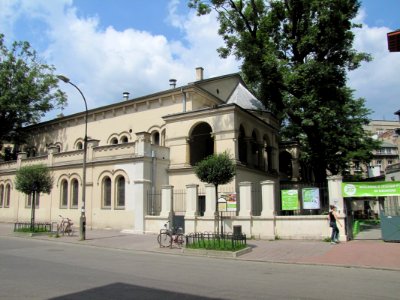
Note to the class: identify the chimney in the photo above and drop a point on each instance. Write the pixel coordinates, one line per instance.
(125, 95)
(172, 83)
(199, 73)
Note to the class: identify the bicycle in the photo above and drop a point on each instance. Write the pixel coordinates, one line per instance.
(168, 237)
(65, 226)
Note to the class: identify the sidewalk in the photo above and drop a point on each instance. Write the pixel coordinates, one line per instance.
(359, 253)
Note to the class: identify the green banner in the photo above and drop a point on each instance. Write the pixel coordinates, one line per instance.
(290, 200)
(371, 189)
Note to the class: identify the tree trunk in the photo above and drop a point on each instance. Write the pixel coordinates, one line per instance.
(33, 211)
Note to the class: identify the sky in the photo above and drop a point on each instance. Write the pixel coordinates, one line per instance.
(109, 47)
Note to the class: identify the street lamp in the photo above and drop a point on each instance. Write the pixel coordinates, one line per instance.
(82, 220)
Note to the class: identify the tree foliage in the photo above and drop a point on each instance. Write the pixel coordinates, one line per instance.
(34, 179)
(28, 89)
(295, 57)
(216, 169)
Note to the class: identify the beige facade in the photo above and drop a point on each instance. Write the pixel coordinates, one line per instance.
(138, 147)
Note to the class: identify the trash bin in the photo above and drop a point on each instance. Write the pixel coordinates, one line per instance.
(237, 230)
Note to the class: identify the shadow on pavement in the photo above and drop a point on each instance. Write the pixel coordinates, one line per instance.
(123, 291)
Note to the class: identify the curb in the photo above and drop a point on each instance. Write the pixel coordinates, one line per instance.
(215, 253)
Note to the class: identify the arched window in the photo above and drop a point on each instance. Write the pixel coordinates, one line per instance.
(64, 193)
(79, 146)
(120, 189)
(1, 195)
(114, 141)
(201, 143)
(75, 193)
(242, 146)
(155, 138)
(124, 139)
(106, 192)
(8, 195)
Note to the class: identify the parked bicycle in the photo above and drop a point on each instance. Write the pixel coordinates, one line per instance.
(168, 237)
(65, 226)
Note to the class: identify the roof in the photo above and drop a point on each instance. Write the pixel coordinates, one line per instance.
(243, 98)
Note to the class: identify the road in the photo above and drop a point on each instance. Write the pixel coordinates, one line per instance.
(37, 269)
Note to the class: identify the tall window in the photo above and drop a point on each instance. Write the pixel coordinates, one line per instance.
(64, 193)
(107, 192)
(120, 192)
(155, 138)
(1, 195)
(75, 193)
(8, 195)
(201, 143)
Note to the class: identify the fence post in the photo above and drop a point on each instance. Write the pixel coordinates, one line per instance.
(166, 201)
(268, 198)
(335, 193)
(191, 207)
(245, 198)
(210, 201)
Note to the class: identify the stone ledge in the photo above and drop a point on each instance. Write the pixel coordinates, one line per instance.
(216, 253)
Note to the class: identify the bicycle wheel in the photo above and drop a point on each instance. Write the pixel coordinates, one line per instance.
(180, 240)
(164, 240)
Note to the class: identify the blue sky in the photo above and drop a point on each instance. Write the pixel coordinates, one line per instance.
(110, 46)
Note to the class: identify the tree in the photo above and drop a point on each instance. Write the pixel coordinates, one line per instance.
(296, 55)
(33, 180)
(216, 169)
(28, 89)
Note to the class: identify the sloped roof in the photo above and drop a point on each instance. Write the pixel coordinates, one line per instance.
(241, 96)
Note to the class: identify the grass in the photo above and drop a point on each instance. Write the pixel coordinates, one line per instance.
(28, 230)
(216, 245)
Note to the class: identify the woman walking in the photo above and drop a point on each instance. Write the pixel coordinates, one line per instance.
(333, 219)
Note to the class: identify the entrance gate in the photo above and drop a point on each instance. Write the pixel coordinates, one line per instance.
(389, 210)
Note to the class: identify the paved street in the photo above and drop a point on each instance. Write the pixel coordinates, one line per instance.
(46, 269)
(365, 253)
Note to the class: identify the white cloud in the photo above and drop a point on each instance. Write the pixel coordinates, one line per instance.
(376, 81)
(106, 62)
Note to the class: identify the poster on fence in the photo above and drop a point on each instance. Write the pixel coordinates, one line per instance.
(311, 198)
(227, 202)
(231, 202)
(290, 199)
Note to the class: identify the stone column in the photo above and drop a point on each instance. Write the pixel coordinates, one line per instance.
(210, 201)
(143, 144)
(141, 189)
(268, 198)
(335, 193)
(191, 207)
(245, 198)
(166, 202)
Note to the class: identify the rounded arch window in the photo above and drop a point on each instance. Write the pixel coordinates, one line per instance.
(124, 139)
(75, 192)
(106, 192)
(120, 189)
(64, 193)
(79, 146)
(1, 195)
(201, 143)
(155, 138)
(114, 141)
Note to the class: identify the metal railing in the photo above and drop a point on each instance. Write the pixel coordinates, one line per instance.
(210, 240)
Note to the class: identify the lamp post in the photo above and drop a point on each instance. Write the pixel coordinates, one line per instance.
(82, 220)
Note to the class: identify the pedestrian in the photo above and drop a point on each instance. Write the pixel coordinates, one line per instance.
(333, 219)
